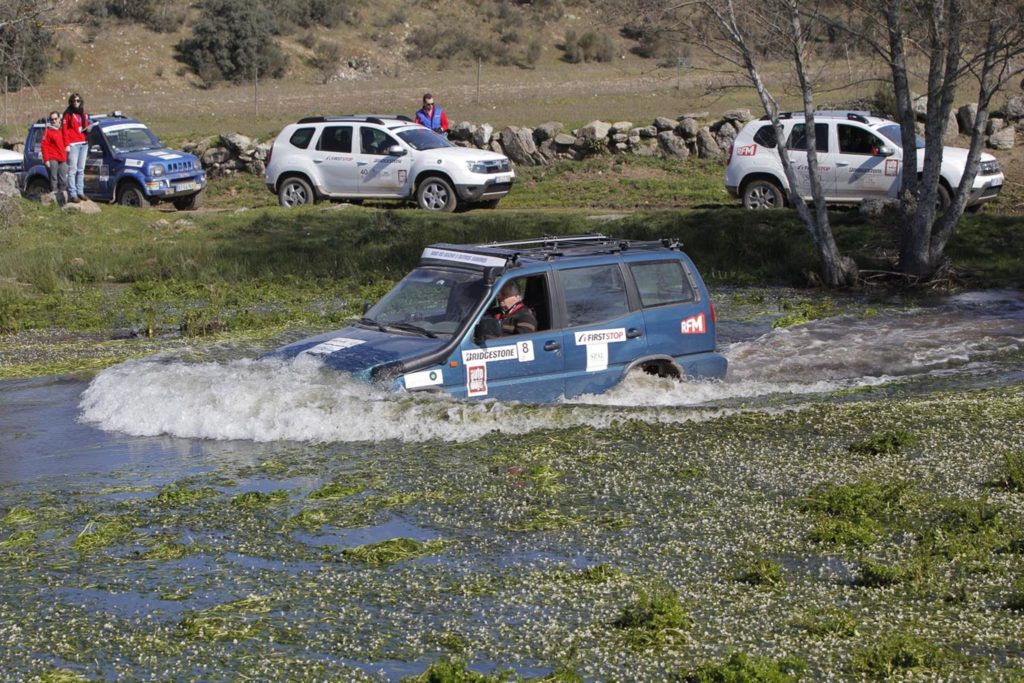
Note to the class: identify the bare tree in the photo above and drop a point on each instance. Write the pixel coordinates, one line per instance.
(956, 39)
(26, 28)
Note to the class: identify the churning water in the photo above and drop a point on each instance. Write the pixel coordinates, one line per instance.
(968, 340)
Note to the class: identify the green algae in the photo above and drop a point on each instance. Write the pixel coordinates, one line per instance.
(258, 500)
(883, 443)
(742, 668)
(177, 496)
(760, 572)
(655, 619)
(18, 515)
(393, 550)
(101, 534)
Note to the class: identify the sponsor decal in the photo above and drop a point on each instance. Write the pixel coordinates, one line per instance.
(693, 325)
(597, 357)
(462, 257)
(364, 171)
(892, 167)
(164, 155)
(476, 380)
(338, 157)
(423, 378)
(601, 336)
(402, 175)
(747, 151)
(331, 345)
(521, 351)
(134, 163)
(122, 126)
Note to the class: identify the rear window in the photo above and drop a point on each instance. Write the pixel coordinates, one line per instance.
(662, 283)
(301, 137)
(335, 139)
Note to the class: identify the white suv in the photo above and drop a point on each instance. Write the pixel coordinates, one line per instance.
(860, 156)
(382, 157)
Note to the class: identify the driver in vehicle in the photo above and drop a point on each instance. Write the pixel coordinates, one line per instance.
(514, 315)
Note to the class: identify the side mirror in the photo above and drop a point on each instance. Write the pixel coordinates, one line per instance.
(366, 307)
(886, 151)
(487, 328)
(397, 151)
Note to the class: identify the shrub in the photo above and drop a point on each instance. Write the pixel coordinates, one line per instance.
(655, 619)
(326, 60)
(233, 41)
(589, 47)
(1011, 472)
(883, 443)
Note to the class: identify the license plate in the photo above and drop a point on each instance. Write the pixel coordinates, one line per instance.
(503, 179)
(184, 187)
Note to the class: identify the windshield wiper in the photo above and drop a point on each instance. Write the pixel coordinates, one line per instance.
(409, 327)
(370, 322)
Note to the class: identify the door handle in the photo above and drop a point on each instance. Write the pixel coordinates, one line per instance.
(633, 333)
(552, 346)
(361, 163)
(318, 161)
(842, 163)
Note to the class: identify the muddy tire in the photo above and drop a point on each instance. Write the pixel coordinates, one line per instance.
(763, 194)
(36, 188)
(130, 194)
(942, 200)
(436, 194)
(294, 192)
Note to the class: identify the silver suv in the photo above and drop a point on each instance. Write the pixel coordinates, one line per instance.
(382, 157)
(860, 156)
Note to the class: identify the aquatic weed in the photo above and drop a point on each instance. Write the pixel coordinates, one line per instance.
(60, 676)
(98, 535)
(760, 572)
(392, 550)
(896, 653)
(335, 489)
(451, 669)
(657, 618)
(742, 668)
(1010, 474)
(827, 621)
(177, 496)
(257, 500)
(887, 442)
(872, 574)
(1015, 601)
(18, 515)
(228, 621)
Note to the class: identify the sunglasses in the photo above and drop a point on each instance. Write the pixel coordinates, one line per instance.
(54, 118)
(76, 100)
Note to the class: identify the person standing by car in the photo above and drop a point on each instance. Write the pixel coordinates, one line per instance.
(432, 117)
(76, 125)
(55, 154)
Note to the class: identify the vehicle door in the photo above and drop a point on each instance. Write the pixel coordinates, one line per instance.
(98, 166)
(862, 169)
(520, 367)
(603, 332)
(796, 146)
(677, 322)
(334, 161)
(381, 174)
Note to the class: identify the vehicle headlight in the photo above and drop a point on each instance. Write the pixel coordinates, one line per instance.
(990, 167)
(476, 166)
(156, 170)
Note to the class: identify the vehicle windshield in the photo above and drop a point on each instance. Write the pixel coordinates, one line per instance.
(130, 138)
(892, 132)
(428, 301)
(421, 138)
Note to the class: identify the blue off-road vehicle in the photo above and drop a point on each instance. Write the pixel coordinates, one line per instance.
(127, 164)
(604, 307)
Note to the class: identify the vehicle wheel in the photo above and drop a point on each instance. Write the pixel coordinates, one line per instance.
(36, 188)
(189, 203)
(974, 208)
(295, 191)
(762, 194)
(942, 200)
(436, 194)
(130, 194)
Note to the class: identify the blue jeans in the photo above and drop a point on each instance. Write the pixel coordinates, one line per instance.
(76, 169)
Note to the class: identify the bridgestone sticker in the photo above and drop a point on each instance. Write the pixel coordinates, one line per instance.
(476, 380)
(423, 378)
(521, 351)
(597, 342)
(331, 345)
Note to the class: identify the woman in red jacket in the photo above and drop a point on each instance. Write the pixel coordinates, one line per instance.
(55, 154)
(75, 124)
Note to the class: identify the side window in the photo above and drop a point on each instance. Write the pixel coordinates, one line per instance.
(798, 137)
(661, 283)
(335, 139)
(594, 294)
(375, 141)
(854, 140)
(301, 137)
(765, 136)
(37, 142)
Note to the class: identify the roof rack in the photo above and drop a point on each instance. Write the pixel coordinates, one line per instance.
(852, 115)
(569, 240)
(361, 118)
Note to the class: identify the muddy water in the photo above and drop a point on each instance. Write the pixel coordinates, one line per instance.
(81, 455)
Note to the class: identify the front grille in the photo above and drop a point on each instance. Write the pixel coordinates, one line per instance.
(497, 166)
(178, 166)
(10, 167)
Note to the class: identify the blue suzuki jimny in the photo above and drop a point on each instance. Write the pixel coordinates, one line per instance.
(603, 308)
(126, 164)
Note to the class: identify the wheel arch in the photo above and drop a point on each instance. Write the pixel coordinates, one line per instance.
(302, 175)
(432, 173)
(764, 175)
(662, 366)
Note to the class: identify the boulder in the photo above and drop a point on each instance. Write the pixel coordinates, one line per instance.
(725, 134)
(9, 185)
(687, 128)
(215, 155)
(647, 132)
(1004, 139)
(965, 116)
(738, 115)
(595, 130)
(707, 146)
(648, 147)
(1015, 108)
(235, 142)
(87, 207)
(621, 127)
(952, 136)
(261, 151)
(672, 145)
(547, 131)
(257, 167)
(876, 208)
(565, 140)
(482, 135)
(920, 105)
(519, 146)
(461, 131)
(662, 124)
(995, 125)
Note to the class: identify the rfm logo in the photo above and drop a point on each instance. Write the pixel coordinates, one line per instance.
(693, 325)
